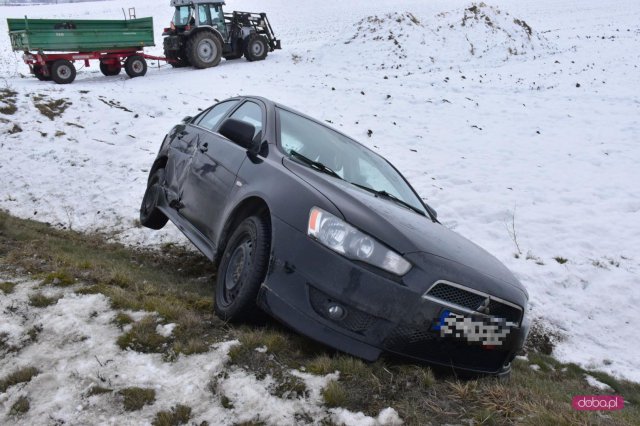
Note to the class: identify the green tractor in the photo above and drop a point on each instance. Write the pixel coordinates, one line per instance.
(201, 34)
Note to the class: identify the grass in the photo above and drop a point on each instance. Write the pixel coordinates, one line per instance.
(143, 337)
(19, 407)
(175, 286)
(8, 101)
(135, 398)
(98, 390)
(50, 108)
(39, 300)
(7, 287)
(22, 375)
(178, 415)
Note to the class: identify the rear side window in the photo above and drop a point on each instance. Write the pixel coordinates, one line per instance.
(250, 113)
(211, 118)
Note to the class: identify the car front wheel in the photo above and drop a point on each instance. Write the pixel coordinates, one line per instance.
(242, 269)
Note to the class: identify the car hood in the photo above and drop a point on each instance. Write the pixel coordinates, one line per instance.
(400, 228)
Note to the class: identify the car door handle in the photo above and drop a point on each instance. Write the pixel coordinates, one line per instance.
(204, 147)
(181, 134)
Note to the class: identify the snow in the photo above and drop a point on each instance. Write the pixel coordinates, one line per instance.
(592, 381)
(528, 131)
(76, 349)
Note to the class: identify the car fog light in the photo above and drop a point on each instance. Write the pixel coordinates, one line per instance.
(336, 312)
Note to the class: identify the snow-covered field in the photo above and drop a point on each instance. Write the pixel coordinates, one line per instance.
(519, 121)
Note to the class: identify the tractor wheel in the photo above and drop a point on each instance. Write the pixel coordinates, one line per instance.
(242, 270)
(110, 69)
(255, 49)
(135, 66)
(204, 50)
(63, 71)
(38, 71)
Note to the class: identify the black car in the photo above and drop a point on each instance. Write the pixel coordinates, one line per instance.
(329, 238)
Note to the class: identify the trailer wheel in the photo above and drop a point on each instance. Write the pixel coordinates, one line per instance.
(63, 71)
(38, 71)
(110, 69)
(135, 66)
(255, 49)
(204, 50)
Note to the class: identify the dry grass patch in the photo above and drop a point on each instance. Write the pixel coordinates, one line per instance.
(7, 287)
(178, 415)
(22, 375)
(21, 406)
(143, 337)
(59, 279)
(8, 101)
(335, 395)
(39, 300)
(135, 398)
(50, 108)
(98, 390)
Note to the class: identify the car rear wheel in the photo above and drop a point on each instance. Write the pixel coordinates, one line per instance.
(150, 215)
(242, 270)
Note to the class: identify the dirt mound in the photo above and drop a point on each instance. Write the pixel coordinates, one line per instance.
(478, 33)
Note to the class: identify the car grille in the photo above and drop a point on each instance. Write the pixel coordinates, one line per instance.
(472, 300)
(421, 342)
(355, 320)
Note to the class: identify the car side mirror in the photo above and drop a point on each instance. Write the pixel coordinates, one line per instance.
(187, 119)
(241, 133)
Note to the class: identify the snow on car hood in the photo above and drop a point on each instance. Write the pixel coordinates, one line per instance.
(400, 228)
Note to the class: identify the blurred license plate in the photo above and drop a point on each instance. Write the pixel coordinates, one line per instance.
(485, 331)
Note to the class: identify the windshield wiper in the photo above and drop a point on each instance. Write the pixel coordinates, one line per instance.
(388, 196)
(315, 164)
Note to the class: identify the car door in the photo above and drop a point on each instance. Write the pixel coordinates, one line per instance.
(213, 170)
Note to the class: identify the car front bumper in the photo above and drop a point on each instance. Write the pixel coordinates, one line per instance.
(381, 313)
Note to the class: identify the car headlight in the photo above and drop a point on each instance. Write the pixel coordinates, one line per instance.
(343, 238)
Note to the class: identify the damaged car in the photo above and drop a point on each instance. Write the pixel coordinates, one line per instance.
(329, 238)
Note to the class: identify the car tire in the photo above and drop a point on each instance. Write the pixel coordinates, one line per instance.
(110, 70)
(242, 270)
(63, 71)
(204, 50)
(150, 215)
(135, 66)
(256, 48)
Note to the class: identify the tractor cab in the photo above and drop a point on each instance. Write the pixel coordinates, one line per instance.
(192, 14)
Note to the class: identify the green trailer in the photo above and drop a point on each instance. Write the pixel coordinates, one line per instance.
(51, 46)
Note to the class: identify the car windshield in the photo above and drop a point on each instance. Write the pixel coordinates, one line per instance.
(181, 18)
(348, 159)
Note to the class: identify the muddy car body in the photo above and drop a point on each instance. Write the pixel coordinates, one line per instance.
(358, 269)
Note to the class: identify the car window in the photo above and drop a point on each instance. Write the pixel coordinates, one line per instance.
(347, 158)
(211, 118)
(250, 113)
